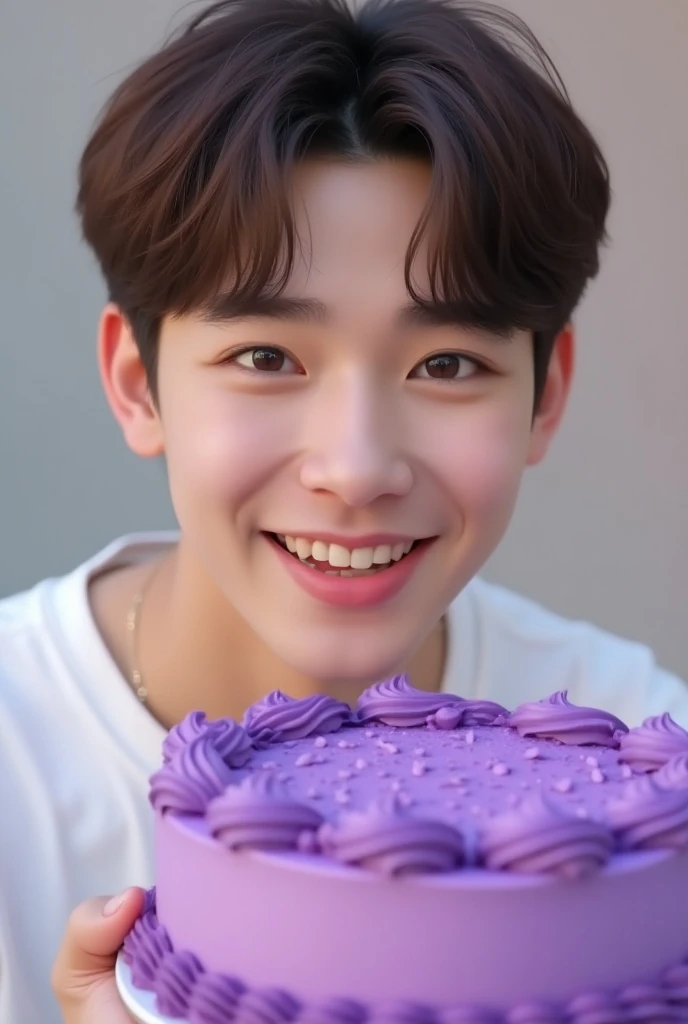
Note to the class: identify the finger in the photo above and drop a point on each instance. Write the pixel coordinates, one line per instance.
(95, 932)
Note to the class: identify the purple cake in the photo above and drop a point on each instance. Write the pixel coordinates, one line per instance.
(422, 859)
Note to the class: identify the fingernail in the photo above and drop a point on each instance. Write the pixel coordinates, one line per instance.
(114, 904)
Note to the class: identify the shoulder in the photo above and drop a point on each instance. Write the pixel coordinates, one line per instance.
(520, 650)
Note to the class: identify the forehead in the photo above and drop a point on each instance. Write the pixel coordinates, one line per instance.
(354, 223)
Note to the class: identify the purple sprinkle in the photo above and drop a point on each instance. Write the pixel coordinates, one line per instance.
(419, 752)
(470, 737)
(563, 786)
(626, 771)
(268, 766)
(581, 812)
(395, 786)
(592, 762)
(313, 794)
(597, 775)
(342, 796)
(345, 745)
(418, 768)
(369, 734)
(531, 753)
(405, 799)
(344, 774)
(320, 742)
(388, 747)
(303, 760)
(284, 777)
(360, 764)
(453, 780)
(501, 769)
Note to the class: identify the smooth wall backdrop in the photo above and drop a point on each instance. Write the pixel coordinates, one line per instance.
(601, 530)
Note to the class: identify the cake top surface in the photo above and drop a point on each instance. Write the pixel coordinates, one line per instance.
(419, 782)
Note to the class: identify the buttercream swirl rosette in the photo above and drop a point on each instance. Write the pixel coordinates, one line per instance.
(230, 740)
(540, 837)
(674, 774)
(653, 744)
(395, 702)
(648, 816)
(258, 813)
(277, 717)
(387, 838)
(190, 780)
(556, 718)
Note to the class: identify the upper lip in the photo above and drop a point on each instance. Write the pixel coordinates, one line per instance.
(367, 540)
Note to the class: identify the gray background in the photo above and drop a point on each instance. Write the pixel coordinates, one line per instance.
(601, 529)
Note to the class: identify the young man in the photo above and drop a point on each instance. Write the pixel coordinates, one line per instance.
(342, 253)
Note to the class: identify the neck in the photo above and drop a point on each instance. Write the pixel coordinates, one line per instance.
(195, 650)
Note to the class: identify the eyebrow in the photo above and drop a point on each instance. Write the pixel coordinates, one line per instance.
(227, 308)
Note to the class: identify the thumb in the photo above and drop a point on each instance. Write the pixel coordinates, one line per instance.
(95, 932)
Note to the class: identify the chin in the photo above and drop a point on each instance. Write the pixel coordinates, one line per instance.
(361, 662)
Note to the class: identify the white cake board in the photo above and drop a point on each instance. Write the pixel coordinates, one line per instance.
(140, 1004)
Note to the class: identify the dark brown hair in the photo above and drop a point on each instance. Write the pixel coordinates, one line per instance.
(183, 183)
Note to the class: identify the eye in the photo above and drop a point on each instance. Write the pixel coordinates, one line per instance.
(447, 366)
(263, 359)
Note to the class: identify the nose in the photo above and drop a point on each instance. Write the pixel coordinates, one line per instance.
(354, 449)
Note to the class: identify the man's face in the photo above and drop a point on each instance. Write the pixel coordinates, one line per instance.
(358, 426)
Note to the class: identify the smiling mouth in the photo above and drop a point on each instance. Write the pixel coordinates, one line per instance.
(328, 558)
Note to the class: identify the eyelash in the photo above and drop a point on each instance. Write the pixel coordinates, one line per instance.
(232, 357)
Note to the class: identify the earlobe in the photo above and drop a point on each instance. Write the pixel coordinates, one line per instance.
(554, 396)
(126, 384)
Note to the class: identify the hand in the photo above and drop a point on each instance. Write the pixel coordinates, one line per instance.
(83, 976)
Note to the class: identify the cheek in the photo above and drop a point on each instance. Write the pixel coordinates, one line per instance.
(485, 462)
(222, 449)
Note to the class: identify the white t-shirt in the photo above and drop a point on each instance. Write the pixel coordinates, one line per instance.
(77, 748)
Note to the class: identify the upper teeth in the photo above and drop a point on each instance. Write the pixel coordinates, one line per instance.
(345, 558)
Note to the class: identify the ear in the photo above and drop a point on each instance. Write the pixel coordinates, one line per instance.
(554, 396)
(126, 384)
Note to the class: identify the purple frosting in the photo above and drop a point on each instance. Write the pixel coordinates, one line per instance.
(334, 1011)
(541, 837)
(187, 783)
(648, 817)
(596, 1008)
(466, 1014)
(466, 714)
(390, 840)
(259, 814)
(674, 774)
(231, 741)
(175, 981)
(557, 719)
(144, 948)
(396, 702)
(277, 717)
(651, 745)
(215, 999)
(259, 1005)
(185, 990)
(536, 1013)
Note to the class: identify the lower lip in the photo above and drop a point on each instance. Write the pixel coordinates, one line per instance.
(352, 591)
